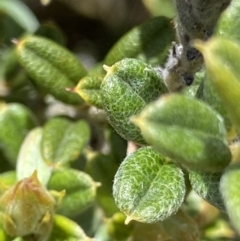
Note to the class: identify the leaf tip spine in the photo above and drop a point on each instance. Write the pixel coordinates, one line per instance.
(128, 220)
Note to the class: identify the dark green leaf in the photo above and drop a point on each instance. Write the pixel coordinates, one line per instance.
(148, 42)
(102, 169)
(206, 185)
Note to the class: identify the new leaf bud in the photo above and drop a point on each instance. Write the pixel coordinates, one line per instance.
(28, 209)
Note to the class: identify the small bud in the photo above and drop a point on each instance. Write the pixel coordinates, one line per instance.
(28, 209)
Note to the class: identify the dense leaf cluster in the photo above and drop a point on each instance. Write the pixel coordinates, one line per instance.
(132, 148)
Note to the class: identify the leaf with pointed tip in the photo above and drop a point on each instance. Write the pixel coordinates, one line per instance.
(89, 88)
(31, 159)
(186, 130)
(221, 60)
(15, 122)
(147, 188)
(80, 190)
(65, 229)
(149, 42)
(63, 140)
(127, 87)
(51, 67)
(230, 190)
(206, 185)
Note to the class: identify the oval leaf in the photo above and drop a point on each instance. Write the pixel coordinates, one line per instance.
(221, 60)
(64, 140)
(230, 190)
(127, 87)
(15, 122)
(149, 42)
(51, 66)
(89, 88)
(206, 185)
(80, 190)
(147, 188)
(186, 130)
(31, 159)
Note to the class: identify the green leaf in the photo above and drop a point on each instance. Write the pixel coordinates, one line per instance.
(51, 66)
(3, 235)
(221, 60)
(20, 13)
(31, 159)
(8, 178)
(89, 88)
(186, 130)
(160, 7)
(149, 42)
(228, 25)
(15, 122)
(63, 140)
(127, 87)
(80, 190)
(211, 97)
(65, 229)
(51, 31)
(118, 146)
(117, 228)
(206, 185)
(230, 190)
(147, 188)
(102, 169)
(179, 227)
